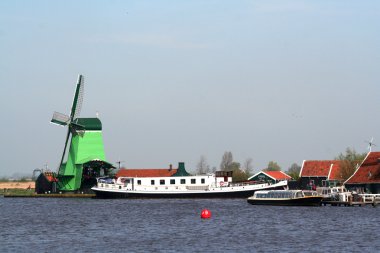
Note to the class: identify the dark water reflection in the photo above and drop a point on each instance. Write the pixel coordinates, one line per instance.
(91, 225)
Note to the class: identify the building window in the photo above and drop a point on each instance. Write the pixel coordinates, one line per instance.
(172, 181)
(152, 182)
(139, 182)
(203, 180)
(183, 181)
(193, 181)
(162, 181)
(324, 183)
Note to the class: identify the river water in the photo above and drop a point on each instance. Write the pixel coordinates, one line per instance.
(174, 225)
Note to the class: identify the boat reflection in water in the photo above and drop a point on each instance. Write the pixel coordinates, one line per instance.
(285, 198)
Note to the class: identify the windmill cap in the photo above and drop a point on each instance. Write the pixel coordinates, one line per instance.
(89, 123)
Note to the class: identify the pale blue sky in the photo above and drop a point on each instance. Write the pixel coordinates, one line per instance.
(174, 80)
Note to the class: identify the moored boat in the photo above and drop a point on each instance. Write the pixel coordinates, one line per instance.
(215, 185)
(285, 198)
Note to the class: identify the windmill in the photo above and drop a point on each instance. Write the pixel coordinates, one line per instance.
(86, 158)
(370, 144)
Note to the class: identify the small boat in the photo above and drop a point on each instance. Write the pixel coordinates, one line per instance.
(285, 198)
(215, 185)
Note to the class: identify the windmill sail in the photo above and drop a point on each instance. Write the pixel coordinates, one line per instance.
(65, 120)
(60, 119)
(64, 149)
(78, 98)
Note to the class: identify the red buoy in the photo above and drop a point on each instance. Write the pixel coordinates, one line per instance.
(206, 214)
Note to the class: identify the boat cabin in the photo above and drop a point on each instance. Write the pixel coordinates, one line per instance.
(278, 194)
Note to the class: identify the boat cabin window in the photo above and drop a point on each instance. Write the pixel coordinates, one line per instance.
(162, 181)
(193, 181)
(152, 182)
(261, 195)
(203, 180)
(139, 182)
(183, 181)
(299, 195)
(172, 181)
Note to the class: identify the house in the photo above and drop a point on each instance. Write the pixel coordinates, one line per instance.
(46, 182)
(366, 178)
(315, 173)
(270, 176)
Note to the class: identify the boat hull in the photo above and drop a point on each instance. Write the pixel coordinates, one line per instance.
(306, 201)
(225, 193)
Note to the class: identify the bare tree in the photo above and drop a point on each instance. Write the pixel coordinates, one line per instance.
(227, 161)
(349, 162)
(294, 171)
(202, 166)
(248, 167)
(272, 165)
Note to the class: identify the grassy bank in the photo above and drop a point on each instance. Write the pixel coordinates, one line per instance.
(17, 192)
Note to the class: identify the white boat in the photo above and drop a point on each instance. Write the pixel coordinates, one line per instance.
(337, 193)
(218, 185)
(285, 198)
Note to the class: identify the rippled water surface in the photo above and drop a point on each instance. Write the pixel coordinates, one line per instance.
(120, 225)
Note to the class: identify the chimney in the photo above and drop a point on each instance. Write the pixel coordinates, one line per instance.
(170, 167)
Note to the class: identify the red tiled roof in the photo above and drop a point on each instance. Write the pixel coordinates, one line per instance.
(145, 172)
(321, 169)
(50, 177)
(278, 175)
(368, 171)
(335, 172)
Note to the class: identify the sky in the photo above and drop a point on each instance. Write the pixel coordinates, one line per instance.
(282, 81)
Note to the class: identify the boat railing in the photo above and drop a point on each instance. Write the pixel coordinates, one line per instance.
(197, 187)
(366, 197)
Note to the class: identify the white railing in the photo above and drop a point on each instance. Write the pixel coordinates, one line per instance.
(370, 197)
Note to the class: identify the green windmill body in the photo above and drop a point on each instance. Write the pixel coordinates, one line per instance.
(86, 158)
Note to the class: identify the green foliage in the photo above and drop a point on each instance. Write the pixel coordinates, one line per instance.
(273, 166)
(349, 162)
(4, 179)
(238, 174)
(294, 171)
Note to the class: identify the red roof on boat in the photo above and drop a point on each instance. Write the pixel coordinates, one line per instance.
(146, 172)
(368, 171)
(321, 168)
(278, 175)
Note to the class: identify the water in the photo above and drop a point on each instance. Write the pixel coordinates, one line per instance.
(120, 225)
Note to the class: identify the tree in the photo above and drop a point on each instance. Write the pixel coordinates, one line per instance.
(349, 162)
(202, 166)
(248, 167)
(227, 160)
(273, 166)
(294, 171)
(237, 173)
